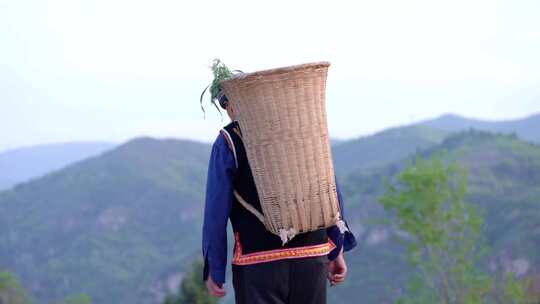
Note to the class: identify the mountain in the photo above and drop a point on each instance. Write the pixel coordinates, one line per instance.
(393, 144)
(117, 226)
(526, 128)
(336, 141)
(504, 183)
(121, 226)
(23, 164)
(383, 147)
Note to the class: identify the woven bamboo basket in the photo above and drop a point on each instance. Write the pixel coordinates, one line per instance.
(282, 116)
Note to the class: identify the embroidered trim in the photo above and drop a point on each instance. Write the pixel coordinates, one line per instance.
(279, 254)
(231, 145)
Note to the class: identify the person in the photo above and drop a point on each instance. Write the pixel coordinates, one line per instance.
(264, 270)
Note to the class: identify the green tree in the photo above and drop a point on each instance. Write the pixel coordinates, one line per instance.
(78, 299)
(192, 289)
(444, 238)
(11, 291)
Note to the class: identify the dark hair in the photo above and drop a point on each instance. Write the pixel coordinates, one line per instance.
(223, 100)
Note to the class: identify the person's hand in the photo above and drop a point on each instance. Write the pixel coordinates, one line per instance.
(213, 288)
(337, 270)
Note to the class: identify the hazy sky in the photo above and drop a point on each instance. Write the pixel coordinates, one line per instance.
(112, 70)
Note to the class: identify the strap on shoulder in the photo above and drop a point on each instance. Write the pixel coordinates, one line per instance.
(230, 143)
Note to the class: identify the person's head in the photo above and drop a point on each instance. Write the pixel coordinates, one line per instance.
(224, 103)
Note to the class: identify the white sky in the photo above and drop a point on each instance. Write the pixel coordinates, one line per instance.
(112, 70)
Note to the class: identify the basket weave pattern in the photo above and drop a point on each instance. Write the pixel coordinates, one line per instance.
(282, 116)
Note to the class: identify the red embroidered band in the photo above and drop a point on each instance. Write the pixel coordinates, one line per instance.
(279, 254)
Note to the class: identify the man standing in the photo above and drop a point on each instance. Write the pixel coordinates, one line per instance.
(264, 270)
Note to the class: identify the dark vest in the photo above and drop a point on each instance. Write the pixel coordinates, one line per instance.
(253, 235)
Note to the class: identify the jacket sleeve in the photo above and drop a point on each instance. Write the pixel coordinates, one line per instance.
(218, 202)
(345, 240)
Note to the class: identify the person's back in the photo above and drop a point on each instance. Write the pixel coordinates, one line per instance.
(264, 269)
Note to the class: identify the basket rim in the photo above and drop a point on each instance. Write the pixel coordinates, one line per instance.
(277, 71)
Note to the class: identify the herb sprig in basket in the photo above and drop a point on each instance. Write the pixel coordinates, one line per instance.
(220, 72)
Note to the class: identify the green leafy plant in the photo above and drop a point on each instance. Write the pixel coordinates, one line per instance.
(445, 238)
(192, 289)
(78, 299)
(220, 72)
(11, 291)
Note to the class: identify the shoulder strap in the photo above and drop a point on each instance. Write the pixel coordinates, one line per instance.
(230, 143)
(239, 198)
(251, 209)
